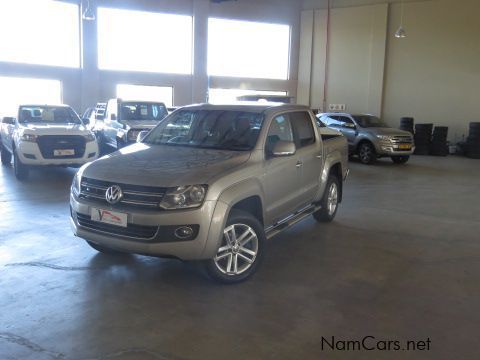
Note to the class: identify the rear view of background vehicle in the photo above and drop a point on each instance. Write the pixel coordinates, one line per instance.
(123, 120)
(45, 135)
(370, 137)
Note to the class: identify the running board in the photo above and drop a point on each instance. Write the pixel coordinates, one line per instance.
(290, 220)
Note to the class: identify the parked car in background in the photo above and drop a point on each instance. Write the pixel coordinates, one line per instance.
(45, 135)
(211, 183)
(124, 119)
(370, 137)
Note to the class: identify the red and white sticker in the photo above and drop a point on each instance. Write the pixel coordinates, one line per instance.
(109, 217)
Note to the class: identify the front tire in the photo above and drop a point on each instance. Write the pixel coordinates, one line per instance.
(6, 157)
(240, 251)
(367, 153)
(330, 201)
(400, 159)
(20, 169)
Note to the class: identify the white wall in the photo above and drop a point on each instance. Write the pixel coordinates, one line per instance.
(84, 87)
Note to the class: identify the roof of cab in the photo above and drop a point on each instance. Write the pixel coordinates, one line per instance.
(247, 106)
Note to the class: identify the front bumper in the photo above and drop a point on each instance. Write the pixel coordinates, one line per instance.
(30, 154)
(393, 150)
(209, 218)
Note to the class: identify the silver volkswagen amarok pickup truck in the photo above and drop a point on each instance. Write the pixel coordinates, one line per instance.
(211, 183)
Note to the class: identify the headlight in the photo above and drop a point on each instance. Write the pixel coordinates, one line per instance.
(384, 137)
(132, 135)
(89, 137)
(29, 137)
(77, 179)
(184, 197)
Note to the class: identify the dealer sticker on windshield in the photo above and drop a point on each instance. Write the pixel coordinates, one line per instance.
(109, 217)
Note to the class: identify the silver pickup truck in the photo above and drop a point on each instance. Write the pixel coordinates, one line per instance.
(212, 183)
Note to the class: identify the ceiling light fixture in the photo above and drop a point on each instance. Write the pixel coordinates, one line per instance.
(400, 33)
(89, 13)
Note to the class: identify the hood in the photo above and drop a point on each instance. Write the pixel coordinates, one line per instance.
(388, 131)
(140, 124)
(163, 165)
(54, 129)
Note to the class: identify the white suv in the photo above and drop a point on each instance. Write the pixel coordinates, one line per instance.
(45, 135)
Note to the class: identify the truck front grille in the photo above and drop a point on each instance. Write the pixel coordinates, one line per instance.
(49, 143)
(137, 196)
(140, 232)
(402, 139)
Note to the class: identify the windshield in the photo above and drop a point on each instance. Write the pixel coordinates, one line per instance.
(48, 114)
(368, 121)
(212, 129)
(143, 111)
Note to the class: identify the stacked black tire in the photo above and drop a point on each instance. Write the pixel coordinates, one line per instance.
(439, 145)
(406, 124)
(423, 138)
(472, 148)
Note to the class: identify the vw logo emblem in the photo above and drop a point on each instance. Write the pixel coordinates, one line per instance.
(114, 194)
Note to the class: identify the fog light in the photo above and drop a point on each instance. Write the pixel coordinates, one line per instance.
(184, 232)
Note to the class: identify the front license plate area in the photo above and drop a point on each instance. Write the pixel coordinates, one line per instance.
(109, 217)
(64, 152)
(405, 147)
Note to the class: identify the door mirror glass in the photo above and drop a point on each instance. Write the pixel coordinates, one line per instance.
(113, 117)
(86, 121)
(8, 120)
(141, 135)
(284, 148)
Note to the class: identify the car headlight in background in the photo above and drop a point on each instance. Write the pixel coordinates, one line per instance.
(384, 137)
(132, 135)
(89, 137)
(29, 137)
(184, 197)
(76, 184)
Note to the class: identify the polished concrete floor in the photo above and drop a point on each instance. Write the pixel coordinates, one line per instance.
(401, 262)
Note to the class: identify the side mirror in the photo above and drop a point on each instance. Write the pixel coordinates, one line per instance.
(284, 148)
(8, 120)
(86, 121)
(113, 117)
(141, 135)
(349, 126)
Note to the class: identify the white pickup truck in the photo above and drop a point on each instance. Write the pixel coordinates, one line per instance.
(44, 135)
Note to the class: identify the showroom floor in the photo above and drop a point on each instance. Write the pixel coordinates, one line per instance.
(401, 262)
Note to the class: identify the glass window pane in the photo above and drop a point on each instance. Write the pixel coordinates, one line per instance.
(146, 93)
(40, 32)
(303, 127)
(144, 41)
(248, 49)
(228, 96)
(18, 91)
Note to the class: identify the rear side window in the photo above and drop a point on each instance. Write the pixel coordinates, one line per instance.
(302, 123)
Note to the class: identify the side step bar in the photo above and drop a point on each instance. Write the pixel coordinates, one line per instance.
(290, 220)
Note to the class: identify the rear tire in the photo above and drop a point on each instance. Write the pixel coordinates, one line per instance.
(21, 170)
(400, 159)
(367, 154)
(103, 250)
(240, 251)
(329, 202)
(6, 157)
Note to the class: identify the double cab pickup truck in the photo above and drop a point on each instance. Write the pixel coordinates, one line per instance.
(212, 183)
(124, 119)
(370, 137)
(44, 135)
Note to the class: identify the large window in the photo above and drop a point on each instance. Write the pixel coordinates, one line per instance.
(146, 93)
(228, 96)
(17, 91)
(248, 49)
(40, 32)
(144, 41)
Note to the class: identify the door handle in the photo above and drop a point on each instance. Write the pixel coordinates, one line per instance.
(299, 164)
(319, 156)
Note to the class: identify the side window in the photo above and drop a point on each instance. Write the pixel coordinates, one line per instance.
(280, 129)
(344, 120)
(304, 133)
